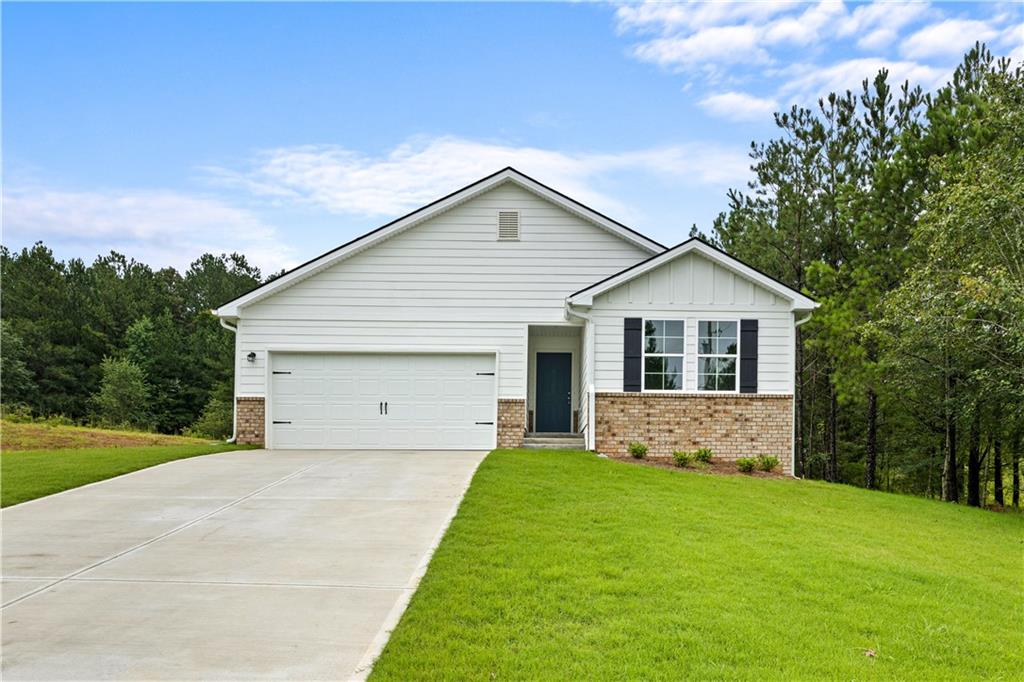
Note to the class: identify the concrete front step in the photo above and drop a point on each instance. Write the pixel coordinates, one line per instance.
(555, 440)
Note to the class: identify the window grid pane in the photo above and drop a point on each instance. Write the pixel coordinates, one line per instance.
(664, 348)
(716, 355)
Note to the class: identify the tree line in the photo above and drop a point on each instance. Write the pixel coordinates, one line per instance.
(902, 213)
(117, 343)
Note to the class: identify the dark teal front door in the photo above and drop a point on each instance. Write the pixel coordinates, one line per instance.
(554, 392)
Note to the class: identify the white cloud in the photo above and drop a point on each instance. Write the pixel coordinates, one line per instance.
(877, 39)
(703, 36)
(1012, 41)
(806, 29)
(422, 169)
(738, 43)
(716, 45)
(739, 106)
(157, 227)
(695, 34)
(878, 23)
(807, 82)
(949, 38)
(665, 16)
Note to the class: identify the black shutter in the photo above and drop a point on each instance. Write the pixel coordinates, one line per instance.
(632, 345)
(748, 356)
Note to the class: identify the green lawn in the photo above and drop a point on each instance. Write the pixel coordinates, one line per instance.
(562, 565)
(28, 474)
(43, 436)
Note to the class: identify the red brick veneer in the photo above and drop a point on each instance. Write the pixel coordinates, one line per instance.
(250, 421)
(511, 422)
(731, 425)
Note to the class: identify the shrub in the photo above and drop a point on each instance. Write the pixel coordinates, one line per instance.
(123, 396)
(215, 422)
(57, 420)
(703, 455)
(746, 464)
(16, 413)
(638, 450)
(767, 462)
(682, 458)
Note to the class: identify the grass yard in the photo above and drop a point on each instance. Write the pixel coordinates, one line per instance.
(562, 565)
(41, 436)
(62, 459)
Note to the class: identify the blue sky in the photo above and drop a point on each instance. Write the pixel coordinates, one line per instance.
(282, 130)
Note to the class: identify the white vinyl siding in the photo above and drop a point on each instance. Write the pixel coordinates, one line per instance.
(693, 288)
(445, 284)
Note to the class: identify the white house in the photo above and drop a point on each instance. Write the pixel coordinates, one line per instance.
(508, 309)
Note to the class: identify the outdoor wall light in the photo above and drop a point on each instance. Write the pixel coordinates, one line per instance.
(251, 357)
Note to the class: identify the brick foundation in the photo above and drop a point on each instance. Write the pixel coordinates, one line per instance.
(731, 425)
(250, 421)
(511, 422)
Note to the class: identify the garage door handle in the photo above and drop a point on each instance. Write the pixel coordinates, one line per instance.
(487, 423)
(281, 422)
(380, 406)
(385, 407)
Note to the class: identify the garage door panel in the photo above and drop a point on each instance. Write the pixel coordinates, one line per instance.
(334, 401)
(338, 411)
(311, 437)
(424, 388)
(289, 412)
(480, 389)
(340, 386)
(293, 437)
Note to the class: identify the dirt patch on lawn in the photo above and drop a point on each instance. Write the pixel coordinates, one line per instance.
(19, 436)
(717, 467)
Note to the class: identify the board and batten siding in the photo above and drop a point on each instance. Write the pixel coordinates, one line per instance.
(444, 284)
(694, 288)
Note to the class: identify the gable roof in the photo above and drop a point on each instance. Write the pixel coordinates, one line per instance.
(508, 174)
(798, 301)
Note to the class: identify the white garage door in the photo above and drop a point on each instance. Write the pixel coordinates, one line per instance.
(382, 401)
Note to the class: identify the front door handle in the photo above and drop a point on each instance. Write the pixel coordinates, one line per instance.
(385, 407)
(380, 406)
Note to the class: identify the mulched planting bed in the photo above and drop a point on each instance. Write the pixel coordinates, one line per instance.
(719, 467)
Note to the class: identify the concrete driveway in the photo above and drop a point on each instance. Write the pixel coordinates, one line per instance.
(243, 565)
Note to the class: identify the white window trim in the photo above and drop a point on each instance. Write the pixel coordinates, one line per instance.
(643, 356)
(699, 355)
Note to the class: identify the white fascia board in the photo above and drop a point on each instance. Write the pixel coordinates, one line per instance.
(585, 297)
(231, 309)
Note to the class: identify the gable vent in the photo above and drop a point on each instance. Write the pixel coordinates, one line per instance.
(508, 225)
